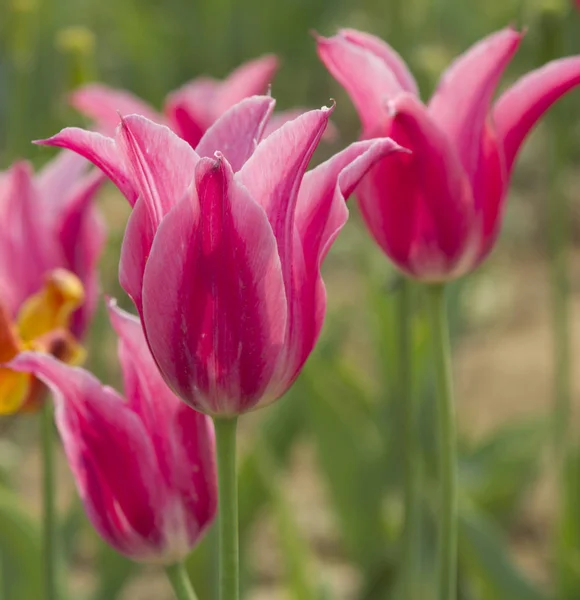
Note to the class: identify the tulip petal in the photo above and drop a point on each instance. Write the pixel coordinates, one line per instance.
(194, 464)
(9, 340)
(161, 163)
(109, 452)
(274, 172)
(26, 248)
(249, 79)
(321, 208)
(369, 81)
(213, 297)
(14, 391)
(489, 187)
(387, 54)
(135, 251)
(461, 102)
(191, 109)
(53, 181)
(280, 118)
(103, 105)
(101, 151)
(320, 215)
(182, 437)
(519, 108)
(237, 132)
(443, 205)
(148, 395)
(81, 233)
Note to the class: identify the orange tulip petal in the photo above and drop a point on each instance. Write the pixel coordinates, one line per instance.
(14, 389)
(51, 308)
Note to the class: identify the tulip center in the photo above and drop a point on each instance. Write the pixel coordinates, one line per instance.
(42, 324)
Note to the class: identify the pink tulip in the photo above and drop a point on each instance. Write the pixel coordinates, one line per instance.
(48, 221)
(190, 110)
(144, 465)
(437, 211)
(223, 250)
(50, 240)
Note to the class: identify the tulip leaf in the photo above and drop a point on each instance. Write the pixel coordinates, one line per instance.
(350, 452)
(282, 425)
(569, 530)
(485, 558)
(497, 472)
(297, 556)
(20, 551)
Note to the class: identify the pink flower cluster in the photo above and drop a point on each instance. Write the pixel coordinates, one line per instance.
(223, 251)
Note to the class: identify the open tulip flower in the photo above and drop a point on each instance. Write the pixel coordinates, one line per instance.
(144, 465)
(436, 212)
(50, 240)
(188, 111)
(223, 250)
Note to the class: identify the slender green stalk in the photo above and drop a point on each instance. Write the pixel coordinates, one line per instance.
(411, 570)
(447, 565)
(180, 582)
(559, 242)
(225, 432)
(50, 545)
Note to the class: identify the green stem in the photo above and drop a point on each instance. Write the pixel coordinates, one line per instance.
(559, 244)
(411, 571)
(447, 566)
(225, 432)
(180, 582)
(50, 547)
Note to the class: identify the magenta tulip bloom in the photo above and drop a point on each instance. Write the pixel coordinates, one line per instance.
(188, 111)
(48, 221)
(223, 250)
(437, 211)
(50, 240)
(144, 465)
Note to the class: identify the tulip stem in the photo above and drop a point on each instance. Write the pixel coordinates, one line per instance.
(411, 569)
(225, 432)
(447, 556)
(180, 582)
(49, 514)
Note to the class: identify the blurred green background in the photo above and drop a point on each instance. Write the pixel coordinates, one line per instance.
(321, 509)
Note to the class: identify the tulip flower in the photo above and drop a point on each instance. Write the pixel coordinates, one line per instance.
(190, 110)
(223, 249)
(50, 240)
(222, 258)
(437, 211)
(144, 464)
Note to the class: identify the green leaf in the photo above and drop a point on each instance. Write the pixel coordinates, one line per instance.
(20, 551)
(484, 556)
(568, 548)
(499, 470)
(282, 425)
(296, 554)
(350, 450)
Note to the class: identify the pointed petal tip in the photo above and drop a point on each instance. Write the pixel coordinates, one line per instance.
(329, 109)
(110, 302)
(35, 362)
(318, 37)
(56, 140)
(119, 317)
